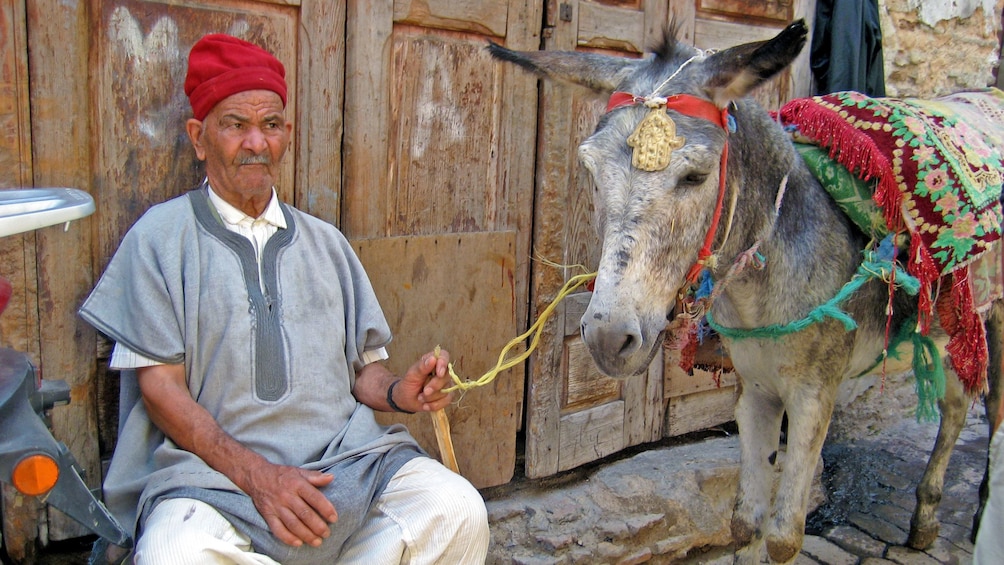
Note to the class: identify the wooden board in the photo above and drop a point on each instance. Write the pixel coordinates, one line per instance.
(585, 385)
(486, 17)
(700, 411)
(776, 10)
(61, 154)
(679, 383)
(611, 27)
(591, 434)
(455, 290)
(21, 516)
(712, 370)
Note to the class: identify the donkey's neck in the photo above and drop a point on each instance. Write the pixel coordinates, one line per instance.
(808, 237)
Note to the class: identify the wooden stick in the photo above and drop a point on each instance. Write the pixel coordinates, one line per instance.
(444, 440)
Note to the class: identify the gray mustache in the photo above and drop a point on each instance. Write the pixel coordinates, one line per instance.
(255, 160)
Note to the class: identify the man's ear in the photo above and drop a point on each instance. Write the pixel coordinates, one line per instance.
(194, 128)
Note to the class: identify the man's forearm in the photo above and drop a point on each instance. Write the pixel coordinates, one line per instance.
(371, 386)
(173, 410)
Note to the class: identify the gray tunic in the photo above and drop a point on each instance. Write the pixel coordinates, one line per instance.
(275, 368)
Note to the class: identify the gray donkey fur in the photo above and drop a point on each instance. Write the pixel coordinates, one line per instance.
(652, 225)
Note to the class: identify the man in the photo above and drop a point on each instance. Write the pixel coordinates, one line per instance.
(248, 434)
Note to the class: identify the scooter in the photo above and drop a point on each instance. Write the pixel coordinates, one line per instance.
(31, 459)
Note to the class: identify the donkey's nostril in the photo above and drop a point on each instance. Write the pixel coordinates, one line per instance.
(629, 346)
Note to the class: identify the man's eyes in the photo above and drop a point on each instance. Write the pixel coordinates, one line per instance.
(273, 125)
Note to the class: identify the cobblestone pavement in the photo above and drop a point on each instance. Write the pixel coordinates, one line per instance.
(870, 486)
(870, 495)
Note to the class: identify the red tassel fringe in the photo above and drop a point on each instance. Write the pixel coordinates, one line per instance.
(967, 342)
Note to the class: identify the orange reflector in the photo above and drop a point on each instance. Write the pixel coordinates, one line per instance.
(35, 474)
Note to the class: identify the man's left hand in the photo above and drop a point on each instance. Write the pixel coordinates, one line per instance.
(421, 388)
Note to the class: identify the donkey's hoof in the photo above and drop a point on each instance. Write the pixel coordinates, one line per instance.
(783, 550)
(922, 537)
(743, 533)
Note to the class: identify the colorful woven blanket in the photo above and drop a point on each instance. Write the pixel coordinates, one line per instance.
(936, 168)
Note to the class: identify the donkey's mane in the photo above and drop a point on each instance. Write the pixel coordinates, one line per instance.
(670, 49)
(667, 56)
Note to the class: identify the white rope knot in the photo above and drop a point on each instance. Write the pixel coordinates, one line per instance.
(655, 101)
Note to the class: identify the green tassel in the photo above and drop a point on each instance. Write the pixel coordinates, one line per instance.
(930, 375)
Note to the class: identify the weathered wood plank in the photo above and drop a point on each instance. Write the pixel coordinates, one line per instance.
(575, 306)
(60, 56)
(644, 407)
(20, 515)
(554, 167)
(15, 143)
(656, 22)
(320, 92)
(611, 27)
(713, 34)
(367, 174)
(487, 17)
(801, 73)
(679, 383)
(564, 230)
(700, 411)
(455, 290)
(443, 140)
(515, 100)
(591, 434)
(682, 14)
(585, 385)
(776, 10)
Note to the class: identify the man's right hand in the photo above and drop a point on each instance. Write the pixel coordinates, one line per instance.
(287, 497)
(290, 501)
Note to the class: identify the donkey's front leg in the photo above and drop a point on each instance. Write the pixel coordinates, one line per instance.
(809, 406)
(758, 415)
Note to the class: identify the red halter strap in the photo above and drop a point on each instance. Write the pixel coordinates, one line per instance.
(698, 108)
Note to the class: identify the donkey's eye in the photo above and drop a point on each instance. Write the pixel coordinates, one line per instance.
(694, 179)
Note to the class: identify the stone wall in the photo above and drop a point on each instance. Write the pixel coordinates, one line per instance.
(934, 47)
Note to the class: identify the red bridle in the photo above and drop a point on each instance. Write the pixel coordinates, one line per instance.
(698, 108)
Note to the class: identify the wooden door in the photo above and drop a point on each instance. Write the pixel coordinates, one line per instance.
(574, 414)
(107, 113)
(438, 191)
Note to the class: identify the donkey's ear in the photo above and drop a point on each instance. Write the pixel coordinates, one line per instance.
(736, 71)
(599, 73)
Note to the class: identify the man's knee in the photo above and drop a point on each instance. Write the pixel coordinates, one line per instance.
(471, 517)
(467, 519)
(184, 531)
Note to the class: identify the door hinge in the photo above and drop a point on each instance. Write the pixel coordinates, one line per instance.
(565, 12)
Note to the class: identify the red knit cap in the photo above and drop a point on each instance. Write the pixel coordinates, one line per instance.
(220, 65)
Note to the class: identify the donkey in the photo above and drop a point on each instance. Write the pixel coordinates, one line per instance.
(656, 222)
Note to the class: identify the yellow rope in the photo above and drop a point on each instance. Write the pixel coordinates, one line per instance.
(503, 364)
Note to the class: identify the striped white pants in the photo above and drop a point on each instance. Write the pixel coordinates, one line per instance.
(427, 514)
(989, 549)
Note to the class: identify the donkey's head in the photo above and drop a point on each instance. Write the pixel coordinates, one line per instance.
(657, 160)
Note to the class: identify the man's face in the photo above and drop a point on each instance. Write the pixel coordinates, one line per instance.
(242, 140)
